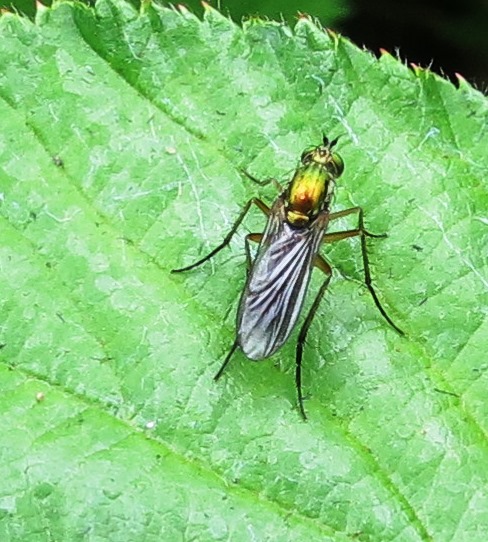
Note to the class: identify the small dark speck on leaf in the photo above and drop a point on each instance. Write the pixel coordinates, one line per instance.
(105, 359)
(423, 301)
(452, 394)
(417, 248)
(57, 161)
(127, 240)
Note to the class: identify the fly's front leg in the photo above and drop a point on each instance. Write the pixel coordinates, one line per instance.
(263, 182)
(326, 269)
(262, 206)
(362, 233)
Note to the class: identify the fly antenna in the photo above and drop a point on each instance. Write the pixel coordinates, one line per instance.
(328, 143)
(333, 143)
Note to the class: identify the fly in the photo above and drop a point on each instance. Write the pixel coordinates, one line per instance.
(278, 279)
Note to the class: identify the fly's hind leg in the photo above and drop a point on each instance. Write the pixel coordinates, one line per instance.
(250, 237)
(256, 237)
(262, 206)
(361, 232)
(327, 270)
(226, 360)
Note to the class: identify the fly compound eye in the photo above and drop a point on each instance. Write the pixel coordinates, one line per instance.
(337, 163)
(307, 155)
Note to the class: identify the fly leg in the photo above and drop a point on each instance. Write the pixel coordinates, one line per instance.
(256, 237)
(226, 360)
(362, 233)
(263, 182)
(350, 211)
(250, 237)
(325, 268)
(262, 206)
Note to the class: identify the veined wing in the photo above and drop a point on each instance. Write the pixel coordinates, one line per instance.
(276, 286)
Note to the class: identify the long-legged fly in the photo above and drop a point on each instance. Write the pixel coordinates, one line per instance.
(279, 276)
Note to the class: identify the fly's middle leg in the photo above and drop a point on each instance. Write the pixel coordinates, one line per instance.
(256, 238)
(347, 212)
(361, 232)
(327, 270)
(253, 201)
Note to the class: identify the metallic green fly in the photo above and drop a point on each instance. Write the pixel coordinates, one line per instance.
(278, 278)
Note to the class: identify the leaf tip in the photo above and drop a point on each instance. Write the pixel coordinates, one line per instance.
(461, 79)
(417, 70)
(145, 5)
(463, 83)
(303, 16)
(182, 9)
(40, 7)
(334, 35)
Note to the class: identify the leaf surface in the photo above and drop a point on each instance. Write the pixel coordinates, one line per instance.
(122, 138)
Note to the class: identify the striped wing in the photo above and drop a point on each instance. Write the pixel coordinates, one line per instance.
(276, 286)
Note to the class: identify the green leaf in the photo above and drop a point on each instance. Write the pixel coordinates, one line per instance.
(122, 137)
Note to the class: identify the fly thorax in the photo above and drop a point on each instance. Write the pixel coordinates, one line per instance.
(310, 190)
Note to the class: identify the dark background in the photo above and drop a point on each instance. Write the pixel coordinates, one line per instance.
(446, 35)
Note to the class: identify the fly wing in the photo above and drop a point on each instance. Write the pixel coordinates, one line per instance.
(276, 286)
